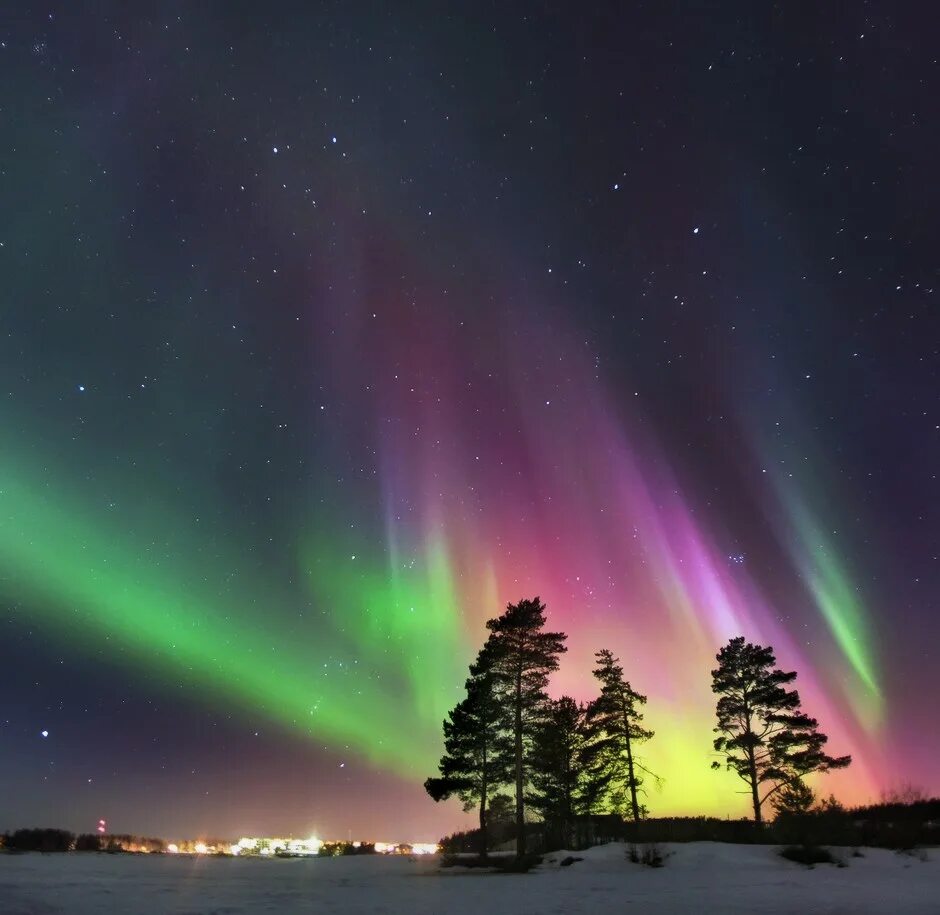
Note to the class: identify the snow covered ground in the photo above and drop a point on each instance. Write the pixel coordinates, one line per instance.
(700, 877)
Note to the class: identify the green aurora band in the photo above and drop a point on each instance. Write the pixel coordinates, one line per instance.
(840, 606)
(89, 582)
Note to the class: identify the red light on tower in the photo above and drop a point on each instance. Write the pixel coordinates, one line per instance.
(102, 827)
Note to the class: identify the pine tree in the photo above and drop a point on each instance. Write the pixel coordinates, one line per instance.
(501, 810)
(764, 735)
(793, 799)
(559, 770)
(524, 656)
(599, 779)
(477, 750)
(615, 718)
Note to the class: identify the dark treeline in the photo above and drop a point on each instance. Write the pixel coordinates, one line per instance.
(338, 849)
(60, 840)
(121, 842)
(900, 825)
(39, 839)
(897, 826)
(567, 772)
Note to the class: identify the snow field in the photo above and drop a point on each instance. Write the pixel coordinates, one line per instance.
(699, 877)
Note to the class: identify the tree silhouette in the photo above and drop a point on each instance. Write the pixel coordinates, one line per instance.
(88, 842)
(44, 840)
(793, 799)
(523, 656)
(615, 718)
(477, 749)
(501, 810)
(559, 773)
(764, 735)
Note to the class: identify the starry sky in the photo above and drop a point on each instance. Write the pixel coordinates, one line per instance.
(329, 328)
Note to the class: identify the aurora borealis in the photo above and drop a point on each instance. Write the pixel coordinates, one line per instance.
(328, 331)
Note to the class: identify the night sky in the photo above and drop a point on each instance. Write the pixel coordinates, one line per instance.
(329, 328)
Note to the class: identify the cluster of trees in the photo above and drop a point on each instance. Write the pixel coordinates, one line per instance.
(46, 840)
(563, 760)
(124, 842)
(901, 821)
(57, 840)
(338, 849)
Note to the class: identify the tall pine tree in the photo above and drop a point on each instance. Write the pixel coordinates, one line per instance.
(764, 735)
(524, 655)
(615, 718)
(477, 750)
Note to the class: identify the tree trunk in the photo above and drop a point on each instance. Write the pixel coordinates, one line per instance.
(520, 803)
(484, 838)
(751, 761)
(632, 777)
(569, 818)
(635, 804)
(755, 797)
